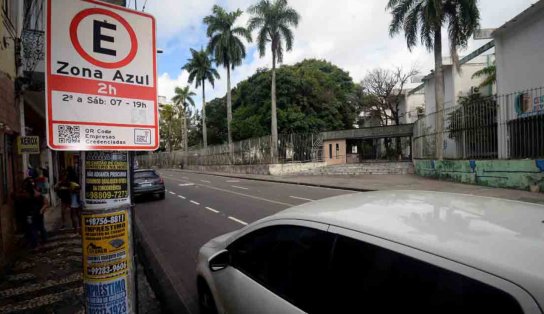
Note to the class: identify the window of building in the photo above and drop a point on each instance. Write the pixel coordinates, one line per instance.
(337, 150)
(368, 277)
(354, 149)
(330, 151)
(288, 260)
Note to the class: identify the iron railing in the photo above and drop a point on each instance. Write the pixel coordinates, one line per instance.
(505, 127)
(291, 148)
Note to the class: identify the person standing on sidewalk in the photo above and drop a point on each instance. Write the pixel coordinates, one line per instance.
(36, 205)
(63, 190)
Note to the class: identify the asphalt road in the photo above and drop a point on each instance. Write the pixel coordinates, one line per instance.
(200, 207)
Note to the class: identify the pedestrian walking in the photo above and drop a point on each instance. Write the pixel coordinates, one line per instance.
(35, 205)
(64, 192)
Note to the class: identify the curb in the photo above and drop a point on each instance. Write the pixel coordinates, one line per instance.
(228, 175)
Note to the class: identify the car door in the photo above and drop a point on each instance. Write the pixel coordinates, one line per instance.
(275, 268)
(369, 274)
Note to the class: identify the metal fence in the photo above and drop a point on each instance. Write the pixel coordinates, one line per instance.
(291, 148)
(505, 127)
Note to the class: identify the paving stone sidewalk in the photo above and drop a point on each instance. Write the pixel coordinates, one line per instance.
(48, 279)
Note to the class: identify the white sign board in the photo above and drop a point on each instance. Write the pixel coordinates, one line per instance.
(101, 77)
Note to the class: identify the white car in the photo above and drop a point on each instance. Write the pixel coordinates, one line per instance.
(381, 252)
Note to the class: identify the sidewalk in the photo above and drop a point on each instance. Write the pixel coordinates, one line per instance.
(49, 279)
(365, 183)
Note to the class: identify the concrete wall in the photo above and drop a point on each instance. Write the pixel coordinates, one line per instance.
(408, 105)
(338, 156)
(513, 174)
(273, 169)
(520, 61)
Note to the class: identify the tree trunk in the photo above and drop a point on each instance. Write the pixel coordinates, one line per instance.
(204, 132)
(170, 135)
(439, 94)
(185, 137)
(274, 142)
(229, 114)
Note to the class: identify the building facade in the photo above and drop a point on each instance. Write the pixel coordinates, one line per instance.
(10, 126)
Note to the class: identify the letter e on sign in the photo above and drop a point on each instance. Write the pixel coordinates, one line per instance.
(101, 77)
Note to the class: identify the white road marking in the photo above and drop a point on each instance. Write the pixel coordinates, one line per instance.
(233, 181)
(301, 198)
(183, 197)
(242, 194)
(211, 209)
(186, 184)
(172, 193)
(205, 181)
(239, 187)
(196, 203)
(238, 220)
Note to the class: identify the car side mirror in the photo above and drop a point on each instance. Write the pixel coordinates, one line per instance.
(219, 261)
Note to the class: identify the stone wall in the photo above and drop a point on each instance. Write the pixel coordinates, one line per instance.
(513, 174)
(265, 169)
(367, 168)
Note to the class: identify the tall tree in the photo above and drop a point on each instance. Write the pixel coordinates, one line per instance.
(182, 100)
(273, 22)
(426, 19)
(200, 70)
(227, 48)
(168, 117)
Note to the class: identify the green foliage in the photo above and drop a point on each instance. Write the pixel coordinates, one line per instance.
(427, 17)
(313, 95)
(489, 73)
(200, 68)
(273, 22)
(225, 43)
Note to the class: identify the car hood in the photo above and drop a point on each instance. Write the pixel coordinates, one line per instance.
(221, 241)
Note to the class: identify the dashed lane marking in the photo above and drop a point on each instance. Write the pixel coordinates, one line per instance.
(301, 198)
(186, 184)
(233, 181)
(182, 197)
(242, 194)
(205, 181)
(196, 203)
(238, 220)
(212, 210)
(172, 193)
(239, 187)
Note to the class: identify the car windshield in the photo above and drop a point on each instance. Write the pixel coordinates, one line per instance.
(145, 174)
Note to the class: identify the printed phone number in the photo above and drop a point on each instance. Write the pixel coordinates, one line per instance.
(105, 195)
(114, 309)
(106, 270)
(104, 220)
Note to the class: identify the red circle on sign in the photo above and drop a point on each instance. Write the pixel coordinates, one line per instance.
(77, 45)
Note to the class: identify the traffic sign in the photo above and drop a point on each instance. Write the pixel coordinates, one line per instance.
(101, 77)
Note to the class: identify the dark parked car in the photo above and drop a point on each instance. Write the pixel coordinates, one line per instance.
(148, 182)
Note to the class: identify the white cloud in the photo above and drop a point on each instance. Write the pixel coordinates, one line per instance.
(352, 34)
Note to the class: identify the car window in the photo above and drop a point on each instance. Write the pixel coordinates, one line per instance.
(288, 260)
(367, 278)
(145, 174)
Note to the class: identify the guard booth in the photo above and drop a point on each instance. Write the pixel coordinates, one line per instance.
(385, 143)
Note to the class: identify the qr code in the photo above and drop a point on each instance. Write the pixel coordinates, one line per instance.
(69, 134)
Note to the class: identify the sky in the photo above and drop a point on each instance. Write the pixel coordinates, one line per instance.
(352, 34)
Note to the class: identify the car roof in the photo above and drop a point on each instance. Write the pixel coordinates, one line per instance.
(144, 170)
(502, 237)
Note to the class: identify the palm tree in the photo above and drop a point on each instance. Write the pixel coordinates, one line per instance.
(182, 100)
(273, 20)
(200, 70)
(227, 48)
(489, 73)
(426, 18)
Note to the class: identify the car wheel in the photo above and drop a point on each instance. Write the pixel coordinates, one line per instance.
(205, 299)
